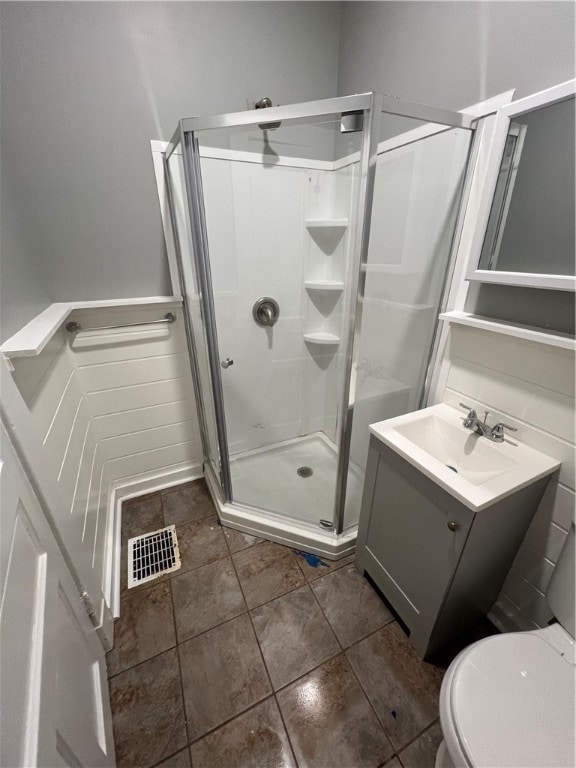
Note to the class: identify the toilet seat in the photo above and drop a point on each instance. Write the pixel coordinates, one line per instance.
(509, 700)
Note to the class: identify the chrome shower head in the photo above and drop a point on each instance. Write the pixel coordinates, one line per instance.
(264, 104)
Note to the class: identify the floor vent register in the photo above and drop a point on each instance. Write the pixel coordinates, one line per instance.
(152, 555)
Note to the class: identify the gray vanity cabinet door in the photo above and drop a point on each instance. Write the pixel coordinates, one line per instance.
(413, 541)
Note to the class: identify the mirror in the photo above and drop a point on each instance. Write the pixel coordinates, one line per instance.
(531, 224)
(525, 233)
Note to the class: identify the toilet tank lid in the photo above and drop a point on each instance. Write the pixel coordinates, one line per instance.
(512, 702)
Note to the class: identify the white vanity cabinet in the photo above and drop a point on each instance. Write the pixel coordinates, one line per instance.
(439, 564)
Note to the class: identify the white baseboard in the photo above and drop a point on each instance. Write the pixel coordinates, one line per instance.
(284, 532)
(129, 488)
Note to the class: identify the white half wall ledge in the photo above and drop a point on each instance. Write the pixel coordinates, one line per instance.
(527, 332)
(30, 340)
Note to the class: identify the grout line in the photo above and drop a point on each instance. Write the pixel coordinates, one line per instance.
(210, 629)
(184, 749)
(270, 695)
(139, 664)
(185, 640)
(278, 597)
(172, 488)
(252, 624)
(421, 733)
(286, 731)
(274, 694)
(176, 574)
(292, 589)
(396, 751)
(313, 669)
(325, 616)
(195, 522)
(369, 700)
(177, 646)
(327, 573)
(372, 707)
(338, 652)
(231, 719)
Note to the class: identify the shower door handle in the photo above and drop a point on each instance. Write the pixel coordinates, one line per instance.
(227, 363)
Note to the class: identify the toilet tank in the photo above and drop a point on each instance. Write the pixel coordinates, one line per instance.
(561, 590)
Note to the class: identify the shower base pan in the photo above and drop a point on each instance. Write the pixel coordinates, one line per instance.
(285, 490)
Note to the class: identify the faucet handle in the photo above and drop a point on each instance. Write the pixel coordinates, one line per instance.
(471, 421)
(497, 432)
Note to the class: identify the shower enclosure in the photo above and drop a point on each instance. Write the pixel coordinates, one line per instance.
(313, 245)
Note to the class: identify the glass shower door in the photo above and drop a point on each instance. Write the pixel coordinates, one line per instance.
(280, 209)
(420, 170)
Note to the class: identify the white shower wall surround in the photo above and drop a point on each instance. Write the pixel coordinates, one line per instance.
(416, 191)
(294, 390)
(100, 416)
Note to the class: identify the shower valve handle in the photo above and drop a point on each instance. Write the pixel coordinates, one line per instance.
(266, 311)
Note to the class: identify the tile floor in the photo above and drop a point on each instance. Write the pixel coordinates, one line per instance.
(249, 656)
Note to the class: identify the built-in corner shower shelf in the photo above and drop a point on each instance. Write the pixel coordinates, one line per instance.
(334, 224)
(322, 338)
(324, 285)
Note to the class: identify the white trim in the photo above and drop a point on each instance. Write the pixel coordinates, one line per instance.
(158, 148)
(543, 98)
(257, 523)
(551, 338)
(495, 149)
(30, 340)
(138, 485)
(156, 145)
(332, 547)
(458, 289)
(525, 279)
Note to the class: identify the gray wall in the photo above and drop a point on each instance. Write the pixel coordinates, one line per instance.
(86, 85)
(23, 285)
(451, 54)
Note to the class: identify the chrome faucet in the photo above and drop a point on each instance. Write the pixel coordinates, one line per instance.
(495, 433)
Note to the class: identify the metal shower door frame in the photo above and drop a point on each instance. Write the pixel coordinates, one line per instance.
(353, 311)
(372, 105)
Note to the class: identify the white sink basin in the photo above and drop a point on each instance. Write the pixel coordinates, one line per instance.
(471, 468)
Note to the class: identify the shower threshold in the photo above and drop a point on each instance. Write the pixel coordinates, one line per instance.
(272, 499)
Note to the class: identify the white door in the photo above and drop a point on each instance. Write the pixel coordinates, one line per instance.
(54, 705)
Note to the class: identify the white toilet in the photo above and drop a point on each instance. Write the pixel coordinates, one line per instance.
(509, 700)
